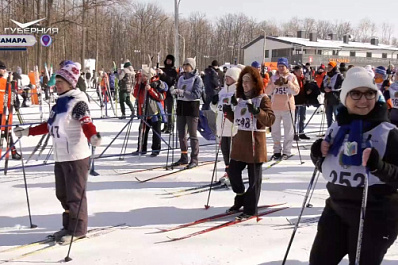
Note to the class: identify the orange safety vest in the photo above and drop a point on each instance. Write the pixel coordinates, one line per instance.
(3, 83)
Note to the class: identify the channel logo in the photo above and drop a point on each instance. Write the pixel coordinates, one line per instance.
(45, 40)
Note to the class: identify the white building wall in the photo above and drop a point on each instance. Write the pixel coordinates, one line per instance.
(360, 54)
(253, 53)
(344, 53)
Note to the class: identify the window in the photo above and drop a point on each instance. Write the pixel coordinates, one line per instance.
(266, 53)
(319, 52)
(384, 55)
(281, 53)
(309, 51)
(335, 52)
(369, 55)
(352, 54)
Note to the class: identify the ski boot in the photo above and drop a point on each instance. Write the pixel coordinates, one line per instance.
(15, 155)
(243, 217)
(276, 156)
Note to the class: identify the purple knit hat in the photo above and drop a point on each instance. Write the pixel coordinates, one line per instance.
(70, 73)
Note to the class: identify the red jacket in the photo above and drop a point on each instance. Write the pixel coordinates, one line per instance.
(139, 94)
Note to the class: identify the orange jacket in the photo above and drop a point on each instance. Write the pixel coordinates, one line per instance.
(319, 78)
(265, 81)
(3, 83)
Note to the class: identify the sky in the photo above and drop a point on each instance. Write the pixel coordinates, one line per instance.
(340, 10)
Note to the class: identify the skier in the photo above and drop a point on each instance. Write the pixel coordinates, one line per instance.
(360, 144)
(282, 87)
(71, 127)
(331, 86)
(112, 78)
(81, 84)
(263, 73)
(3, 83)
(225, 129)
(168, 74)
(380, 75)
(189, 90)
(150, 100)
(88, 78)
(126, 84)
(300, 100)
(391, 96)
(212, 83)
(251, 115)
(319, 75)
(104, 86)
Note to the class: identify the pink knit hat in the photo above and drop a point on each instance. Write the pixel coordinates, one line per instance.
(70, 73)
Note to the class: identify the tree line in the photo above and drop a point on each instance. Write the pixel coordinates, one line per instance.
(115, 30)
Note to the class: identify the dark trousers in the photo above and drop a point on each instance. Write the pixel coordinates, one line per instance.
(337, 237)
(169, 102)
(300, 118)
(226, 149)
(188, 124)
(124, 97)
(248, 199)
(156, 141)
(70, 181)
(208, 99)
(329, 111)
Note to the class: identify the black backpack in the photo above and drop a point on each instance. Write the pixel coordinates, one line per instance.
(126, 83)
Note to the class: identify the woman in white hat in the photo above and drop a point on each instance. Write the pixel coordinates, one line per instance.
(360, 144)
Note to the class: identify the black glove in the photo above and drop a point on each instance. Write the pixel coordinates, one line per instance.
(316, 154)
(374, 160)
(316, 149)
(234, 101)
(215, 99)
(226, 108)
(253, 109)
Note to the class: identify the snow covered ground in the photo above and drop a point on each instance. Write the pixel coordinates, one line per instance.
(119, 199)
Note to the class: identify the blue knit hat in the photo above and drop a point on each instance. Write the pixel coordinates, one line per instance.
(283, 61)
(256, 64)
(381, 70)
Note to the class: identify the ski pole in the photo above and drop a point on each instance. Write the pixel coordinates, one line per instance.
(44, 146)
(26, 187)
(294, 128)
(48, 155)
(207, 206)
(302, 210)
(68, 258)
(362, 218)
(125, 142)
(363, 211)
(9, 149)
(92, 170)
(117, 135)
(309, 205)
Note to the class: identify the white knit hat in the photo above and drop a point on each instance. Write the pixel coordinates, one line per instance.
(356, 77)
(191, 62)
(148, 72)
(233, 73)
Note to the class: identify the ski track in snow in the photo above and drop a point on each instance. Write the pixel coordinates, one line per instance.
(115, 199)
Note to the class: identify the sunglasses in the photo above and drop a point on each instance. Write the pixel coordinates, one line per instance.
(357, 95)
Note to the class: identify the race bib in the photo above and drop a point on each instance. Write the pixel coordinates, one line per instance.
(281, 90)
